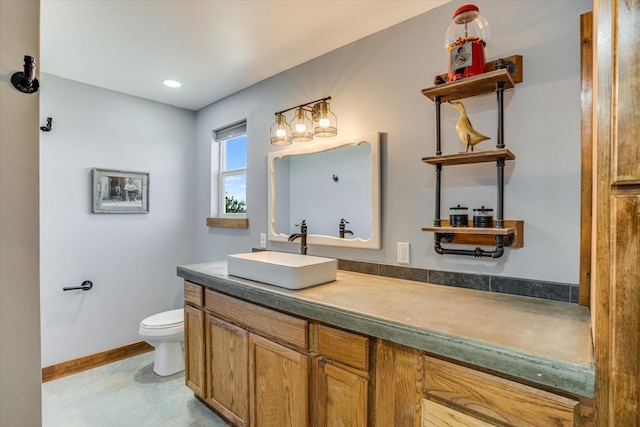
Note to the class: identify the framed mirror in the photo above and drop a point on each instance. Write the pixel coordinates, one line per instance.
(324, 183)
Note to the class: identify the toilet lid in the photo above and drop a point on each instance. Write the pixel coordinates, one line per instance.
(165, 319)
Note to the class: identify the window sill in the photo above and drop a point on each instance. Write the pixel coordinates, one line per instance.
(228, 222)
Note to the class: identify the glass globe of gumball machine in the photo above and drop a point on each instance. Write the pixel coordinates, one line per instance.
(465, 40)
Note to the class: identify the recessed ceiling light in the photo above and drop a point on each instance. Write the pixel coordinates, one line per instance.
(171, 83)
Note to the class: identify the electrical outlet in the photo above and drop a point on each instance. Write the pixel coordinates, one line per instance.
(263, 240)
(403, 253)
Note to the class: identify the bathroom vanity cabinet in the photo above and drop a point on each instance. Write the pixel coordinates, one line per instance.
(266, 363)
(243, 370)
(266, 368)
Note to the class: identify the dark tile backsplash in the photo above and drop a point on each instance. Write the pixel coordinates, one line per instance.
(555, 291)
(461, 280)
(532, 288)
(575, 293)
(564, 292)
(358, 266)
(399, 272)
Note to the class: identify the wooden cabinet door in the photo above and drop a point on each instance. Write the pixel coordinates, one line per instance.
(194, 352)
(227, 369)
(278, 382)
(340, 397)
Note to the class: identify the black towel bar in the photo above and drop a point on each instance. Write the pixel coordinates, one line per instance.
(85, 286)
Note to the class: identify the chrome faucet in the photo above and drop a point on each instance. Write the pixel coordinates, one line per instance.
(303, 236)
(343, 222)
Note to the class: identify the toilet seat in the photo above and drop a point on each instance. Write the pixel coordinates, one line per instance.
(166, 319)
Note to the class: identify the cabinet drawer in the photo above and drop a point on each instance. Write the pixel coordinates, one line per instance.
(269, 323)
(436, 415)
(496, 398)
(193, 293)
(342, 346)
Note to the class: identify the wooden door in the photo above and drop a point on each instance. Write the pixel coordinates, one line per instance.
(279, 380)
(340, 397)
(194, 350)
(616, 306)
(227, 369)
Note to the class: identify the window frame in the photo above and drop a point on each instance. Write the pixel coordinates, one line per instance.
(222, 175)
(220, 138)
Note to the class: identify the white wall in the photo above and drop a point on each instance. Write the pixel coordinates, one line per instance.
(20, 376)
(375, 84)
(131, 258)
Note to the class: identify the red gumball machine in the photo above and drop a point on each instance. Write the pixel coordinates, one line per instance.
(465, 40)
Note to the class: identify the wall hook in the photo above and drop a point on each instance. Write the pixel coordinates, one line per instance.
(47, 127)
(335, 178)
(26, 81)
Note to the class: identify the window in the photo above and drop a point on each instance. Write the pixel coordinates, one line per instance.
(232, 179)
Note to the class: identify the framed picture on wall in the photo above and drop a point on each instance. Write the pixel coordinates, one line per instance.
(116, 191)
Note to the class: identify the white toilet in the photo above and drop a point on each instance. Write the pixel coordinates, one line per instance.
(165, 332)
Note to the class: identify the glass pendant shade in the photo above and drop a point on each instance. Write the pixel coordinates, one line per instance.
(301, 127)
(327, 123)
(280, 131)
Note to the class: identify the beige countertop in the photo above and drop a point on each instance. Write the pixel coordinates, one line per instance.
(546, 342)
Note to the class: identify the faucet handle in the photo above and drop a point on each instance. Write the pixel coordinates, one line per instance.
(343, 221)
(303, 225)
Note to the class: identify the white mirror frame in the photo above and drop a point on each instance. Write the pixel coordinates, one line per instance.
(316, 239)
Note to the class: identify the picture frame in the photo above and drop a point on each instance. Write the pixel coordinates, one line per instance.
(118, 191)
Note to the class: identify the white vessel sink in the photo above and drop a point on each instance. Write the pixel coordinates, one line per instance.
(290, 271)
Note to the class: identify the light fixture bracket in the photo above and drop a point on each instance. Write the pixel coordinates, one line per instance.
(315, 105)
(316, 112)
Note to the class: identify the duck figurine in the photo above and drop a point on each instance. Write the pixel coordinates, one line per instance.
(468, 135)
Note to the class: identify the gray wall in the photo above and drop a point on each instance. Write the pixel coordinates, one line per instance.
(131, 258)
(375, 84)
(19, 293)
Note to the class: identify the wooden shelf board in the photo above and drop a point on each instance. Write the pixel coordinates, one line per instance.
(228, 222)
(471, 230)
(469, 158)
(517, 76)
(470, 86)
(482, 236)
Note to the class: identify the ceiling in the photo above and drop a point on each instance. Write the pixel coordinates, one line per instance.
(214, 47)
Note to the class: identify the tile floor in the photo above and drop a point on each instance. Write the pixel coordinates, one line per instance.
(126, 393)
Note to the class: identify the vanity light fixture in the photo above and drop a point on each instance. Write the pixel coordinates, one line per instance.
(302, 127)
